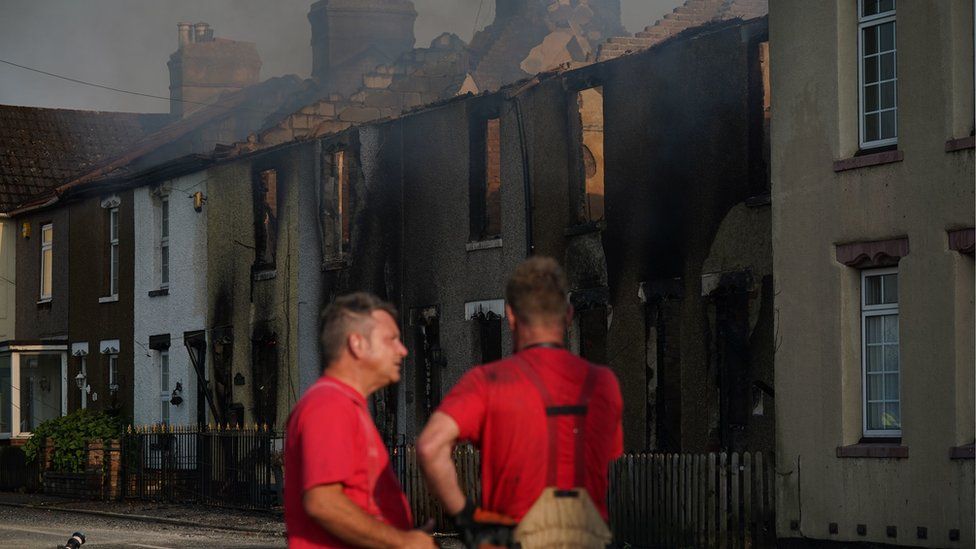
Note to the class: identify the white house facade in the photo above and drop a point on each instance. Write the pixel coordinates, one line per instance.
(170, 302)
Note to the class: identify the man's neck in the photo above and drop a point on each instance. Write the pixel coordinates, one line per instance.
(349, 377)
(538, 337)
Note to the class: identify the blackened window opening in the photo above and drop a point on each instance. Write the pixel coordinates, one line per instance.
(222, 343)
(264, 373)
(589, 105)
(593, 334)
(490, 335)
(265, 219)
(430, 361)
(336, 205)
(485, 179)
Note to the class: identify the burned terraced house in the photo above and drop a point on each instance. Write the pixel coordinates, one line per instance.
(425, 175)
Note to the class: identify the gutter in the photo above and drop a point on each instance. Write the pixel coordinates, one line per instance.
(168, 170)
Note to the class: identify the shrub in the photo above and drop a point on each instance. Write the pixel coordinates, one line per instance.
(70, 433)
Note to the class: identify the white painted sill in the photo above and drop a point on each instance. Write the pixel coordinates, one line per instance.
(108, 299)
(483, 244)
(44, 301)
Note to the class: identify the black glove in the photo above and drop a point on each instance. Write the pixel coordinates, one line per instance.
(475, 533)
(464, 519)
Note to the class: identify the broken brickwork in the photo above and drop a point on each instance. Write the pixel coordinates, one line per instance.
(691, 14)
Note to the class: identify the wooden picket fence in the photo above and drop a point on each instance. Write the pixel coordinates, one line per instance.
(693, 500)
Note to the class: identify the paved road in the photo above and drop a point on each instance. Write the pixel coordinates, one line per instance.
(29, 528)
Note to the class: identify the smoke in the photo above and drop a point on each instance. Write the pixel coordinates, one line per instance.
(126, 43)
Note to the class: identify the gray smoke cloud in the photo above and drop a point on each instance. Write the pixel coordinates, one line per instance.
(126, 43)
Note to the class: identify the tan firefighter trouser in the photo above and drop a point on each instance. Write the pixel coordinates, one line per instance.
(558, 520)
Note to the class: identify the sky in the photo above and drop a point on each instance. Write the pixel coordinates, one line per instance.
(126, 43)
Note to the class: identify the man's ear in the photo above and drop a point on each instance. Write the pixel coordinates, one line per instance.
(356, 344)
(510, 317)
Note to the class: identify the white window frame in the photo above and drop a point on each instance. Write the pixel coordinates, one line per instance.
(16, 353)
(862, 24)
(113, 372)
(164, 228)
(163, 364)
(866, 312)
(113, 237)
(83, 369)
(47, 264)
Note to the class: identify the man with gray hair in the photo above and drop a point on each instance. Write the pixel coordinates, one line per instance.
(340, 490)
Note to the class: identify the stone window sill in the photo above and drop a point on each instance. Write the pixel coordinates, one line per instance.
(864, 161)
(336, 263)
(483, 244)
(44, 303)
(265, 275)
(159, 292)
(585, 228)
(878, 450)
(960, 144)
(963, 452)
(108, 299)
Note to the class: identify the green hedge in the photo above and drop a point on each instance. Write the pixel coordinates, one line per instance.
(70, 433)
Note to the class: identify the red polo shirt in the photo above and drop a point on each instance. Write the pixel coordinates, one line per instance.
(332, 438)
(500, 410)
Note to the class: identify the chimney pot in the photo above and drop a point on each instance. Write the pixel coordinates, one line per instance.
(186, 36)
(200, 33)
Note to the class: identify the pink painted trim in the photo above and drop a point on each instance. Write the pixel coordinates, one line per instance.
(960, 144)
(880, 253)
(963, 241)
(869, 450)
(875, 159)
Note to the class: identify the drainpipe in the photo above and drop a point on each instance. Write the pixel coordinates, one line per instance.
(526, 181)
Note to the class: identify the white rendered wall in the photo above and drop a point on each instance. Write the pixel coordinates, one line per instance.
(183, 309)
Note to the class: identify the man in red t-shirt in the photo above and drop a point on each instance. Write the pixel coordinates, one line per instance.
(339, 488)
(542, 417)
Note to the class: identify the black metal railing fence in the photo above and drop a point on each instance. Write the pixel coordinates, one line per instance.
(229, 466)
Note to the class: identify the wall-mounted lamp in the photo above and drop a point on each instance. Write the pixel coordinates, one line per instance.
(238, 379)
(25, 229)
(199, 200)
(80, 380)
(177, 397)
(113, 388)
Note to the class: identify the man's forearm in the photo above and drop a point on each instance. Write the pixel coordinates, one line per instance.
(434, 452)
(339, 516)
(442, 479)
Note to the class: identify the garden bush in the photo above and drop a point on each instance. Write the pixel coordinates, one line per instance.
(70, 433)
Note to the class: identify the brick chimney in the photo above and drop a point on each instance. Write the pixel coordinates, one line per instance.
(350, 38)
(204, 67)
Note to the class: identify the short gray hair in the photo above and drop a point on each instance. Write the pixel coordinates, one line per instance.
(348, 313)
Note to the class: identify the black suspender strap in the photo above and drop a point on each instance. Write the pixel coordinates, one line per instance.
(553, 412)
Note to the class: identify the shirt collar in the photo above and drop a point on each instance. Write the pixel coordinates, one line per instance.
(344, 388)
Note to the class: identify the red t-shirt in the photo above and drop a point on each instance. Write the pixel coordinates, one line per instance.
(331, 438)
(500, 410)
